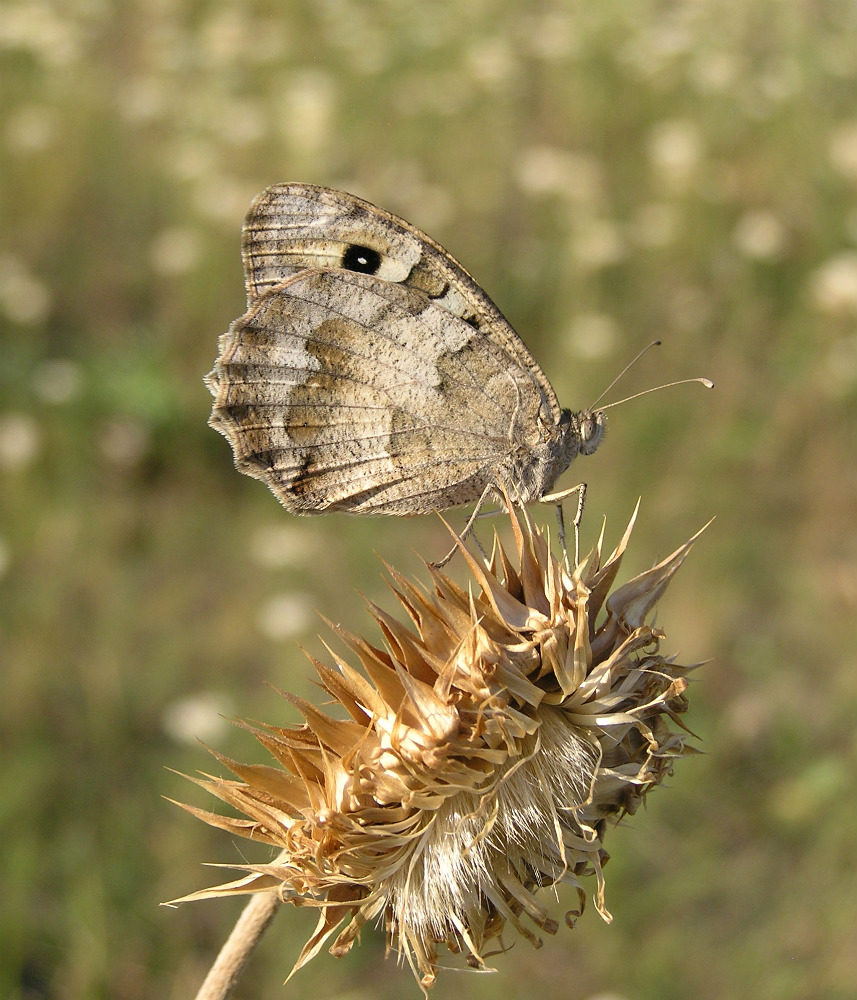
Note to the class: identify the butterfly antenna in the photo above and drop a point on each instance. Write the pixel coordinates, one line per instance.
(667, 385)
(625, 370)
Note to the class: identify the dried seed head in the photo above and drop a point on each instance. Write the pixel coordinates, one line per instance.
(485, 751)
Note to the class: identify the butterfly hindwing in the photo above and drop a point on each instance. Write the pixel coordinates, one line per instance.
(346, 392)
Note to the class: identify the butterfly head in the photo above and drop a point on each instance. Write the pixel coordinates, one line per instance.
(591, 427)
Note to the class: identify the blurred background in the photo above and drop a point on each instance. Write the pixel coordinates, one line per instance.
(610, 172)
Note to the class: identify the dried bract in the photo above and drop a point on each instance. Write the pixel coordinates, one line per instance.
(485, 750)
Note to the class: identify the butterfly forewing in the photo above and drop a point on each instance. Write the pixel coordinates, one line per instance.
(294, 227)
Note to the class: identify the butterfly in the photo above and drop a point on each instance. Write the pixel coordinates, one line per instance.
(370, 373)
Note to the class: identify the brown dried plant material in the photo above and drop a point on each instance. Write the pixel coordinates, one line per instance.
(483, 753)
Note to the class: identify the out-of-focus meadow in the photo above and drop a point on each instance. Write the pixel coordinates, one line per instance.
(611, 173)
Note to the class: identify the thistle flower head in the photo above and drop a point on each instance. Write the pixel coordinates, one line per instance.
(486, 749)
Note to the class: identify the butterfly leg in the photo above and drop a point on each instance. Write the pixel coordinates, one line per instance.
(468, 528)
(557, 499)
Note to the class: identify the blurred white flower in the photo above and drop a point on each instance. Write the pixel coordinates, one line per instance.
(285, 616)
(542, 170)
(143, 99)
(491, 62)
(191, 159)
(548, 170)
(222, 199)
(713, 71)
(43, 30)
(833, 285)
(23, 297)
(277, 545)
(658, 44)
(176, 250)
(655, 224)
(306, 117)
(223, 37)
(197, 717)
(124, 442)
(592, 335)
(675, 148)
(20, 440)
(842, 149)
(668, 38)
(760, 234)
(240, 122)
(32, 128)
(58, 380)
(598, 243)
(552, 35)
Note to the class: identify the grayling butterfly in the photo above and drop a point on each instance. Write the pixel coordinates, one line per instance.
(372, 375)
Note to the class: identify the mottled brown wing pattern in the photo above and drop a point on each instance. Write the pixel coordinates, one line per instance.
(371, 374)
(296, 227)
(346, 392)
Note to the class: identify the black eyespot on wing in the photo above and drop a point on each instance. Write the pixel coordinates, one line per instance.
(364, 260)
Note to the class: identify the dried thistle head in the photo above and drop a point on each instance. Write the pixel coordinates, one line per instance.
(485, 752)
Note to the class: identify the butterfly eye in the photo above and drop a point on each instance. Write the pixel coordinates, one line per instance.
(592, 429)
(362, 259)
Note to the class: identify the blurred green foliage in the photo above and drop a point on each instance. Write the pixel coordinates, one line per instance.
(610, 172)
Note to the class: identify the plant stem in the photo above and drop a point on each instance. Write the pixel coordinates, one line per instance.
(238, 947)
